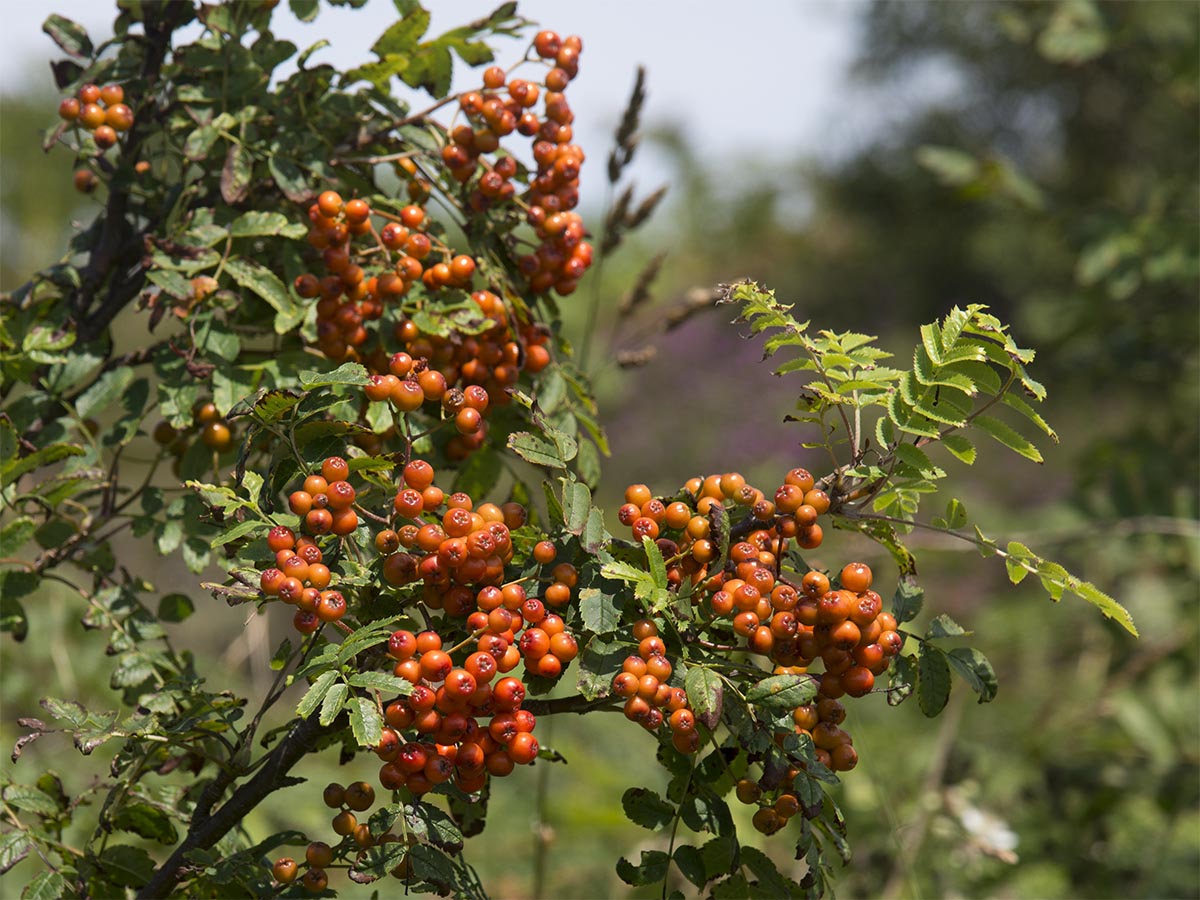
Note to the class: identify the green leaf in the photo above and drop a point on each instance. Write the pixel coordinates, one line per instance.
(29, 799)
(956, 514)
(146, 821)
(902, 677)
(331, 705)
(429, 823)
(235, 175)
(14, 535)
(430, 68)
(382, 681)
(197, 146)
(1103, 602)
(735, 887)
(918, 459)
(908, 600)
(652, 868)
(379, 860)
(257, 223)
(288, 176)
(595, 535)
(1014, 562)
(347, 373)
(304, 10)
(46, 885)
(703, 810)
(312, 699)
(134, 669)
(238, 530)
(576, 503)
(658, 565)
(599, 611)
(646, 808)
(70, 36)
(70, 711)
(973, 667)
(769, 877)
(14, 468)
(598, 663)
(272, 406)
(479, 472)
(952, 167)
(377, 632)
(403, 35)
(12, 614)
(175, 607)
(280, 657)
(266, 284)
(42, 343)
(706, 694)
(1075, 33)
(108, 387)
(782, 692)
(690, 862)
(14, 847)
(365, 721)
(127, 866)
(1014, 401)
(588, 463)
(432, 865)
(931, 340)
(933, 689)
(1008, 437)
(944, 626)
(535, 449)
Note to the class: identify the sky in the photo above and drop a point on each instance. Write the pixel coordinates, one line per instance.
(765, 79)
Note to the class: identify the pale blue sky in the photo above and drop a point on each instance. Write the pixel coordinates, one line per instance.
(764, 78)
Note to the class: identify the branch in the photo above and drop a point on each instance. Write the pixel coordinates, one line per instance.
(118, 242)
(270, 778)
(575, 704)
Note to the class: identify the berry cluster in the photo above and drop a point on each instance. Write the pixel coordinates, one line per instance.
(347, 297)
(683, 526)
(325, 502)
(562, 256)
(429, 367)
(301, 579)
(300, 576)
(644, 682)
(347, 800)
(445, 709)
(103, 113)
(793, 624)
(491, 358)
(774, 798)
(456, 553)
(214, 431)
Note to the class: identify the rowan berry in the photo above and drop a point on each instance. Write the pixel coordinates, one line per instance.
(856, 577)
(319, 855)
(748, 791)
(315, 880)
(344, 823)
(331, 607)
(858, 681)
(118, 117)
(285, 870)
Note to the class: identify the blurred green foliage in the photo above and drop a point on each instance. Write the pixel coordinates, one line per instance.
(1042, 158)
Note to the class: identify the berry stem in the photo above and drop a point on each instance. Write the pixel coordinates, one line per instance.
(473, 636)
(675, 823)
